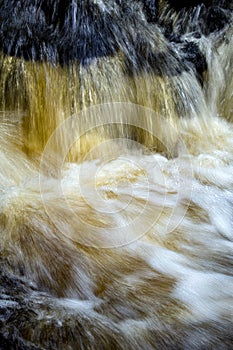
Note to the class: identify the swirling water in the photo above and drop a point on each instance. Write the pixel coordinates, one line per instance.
(116, 191)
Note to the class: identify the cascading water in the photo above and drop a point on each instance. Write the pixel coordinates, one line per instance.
(116, 159)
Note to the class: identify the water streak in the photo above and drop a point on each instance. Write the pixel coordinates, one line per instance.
(116, 190)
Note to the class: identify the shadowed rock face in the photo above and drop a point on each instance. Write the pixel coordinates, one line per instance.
(211, 17)
(63, 31)
(151, 9)
(57, 30)
(178, 5)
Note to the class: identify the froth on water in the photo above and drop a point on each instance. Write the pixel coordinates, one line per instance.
(116, 198)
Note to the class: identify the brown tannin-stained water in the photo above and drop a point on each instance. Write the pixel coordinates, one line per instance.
(116, 188)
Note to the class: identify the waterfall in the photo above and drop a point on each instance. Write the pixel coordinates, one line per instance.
(116, 159)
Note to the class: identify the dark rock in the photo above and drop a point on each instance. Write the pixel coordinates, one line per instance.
(55, 30)
(178, 5)
(151, 10)
(62, 31)
(194, 57)
(215, 20)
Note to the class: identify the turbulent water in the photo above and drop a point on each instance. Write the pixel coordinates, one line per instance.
(116, 187)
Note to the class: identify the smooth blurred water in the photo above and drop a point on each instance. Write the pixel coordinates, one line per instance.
(116, 193)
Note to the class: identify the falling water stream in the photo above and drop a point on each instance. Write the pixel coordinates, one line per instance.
(116, 189)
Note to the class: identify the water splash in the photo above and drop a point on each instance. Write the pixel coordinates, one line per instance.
(116, 189)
